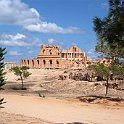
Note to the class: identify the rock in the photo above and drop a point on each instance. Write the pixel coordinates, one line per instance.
(78, 76)
(62, 77)
(87, 99)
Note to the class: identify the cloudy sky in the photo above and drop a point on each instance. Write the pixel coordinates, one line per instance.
(27, 24)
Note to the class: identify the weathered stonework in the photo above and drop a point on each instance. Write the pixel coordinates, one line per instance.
(9, 65)
(51, 57)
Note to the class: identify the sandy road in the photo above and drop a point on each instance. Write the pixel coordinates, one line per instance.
(62, 111)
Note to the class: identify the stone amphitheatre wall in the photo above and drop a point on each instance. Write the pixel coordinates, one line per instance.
(46, 63)
(51, 57)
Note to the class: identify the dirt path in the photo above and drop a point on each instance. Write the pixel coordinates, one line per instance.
(62, 111)
(9, 118)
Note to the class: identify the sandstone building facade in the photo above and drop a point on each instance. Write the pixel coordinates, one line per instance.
(9, 65)
(52, 57)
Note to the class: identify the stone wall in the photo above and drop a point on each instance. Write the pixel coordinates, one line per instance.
(51, 57)
(46, 63)
(9, 65)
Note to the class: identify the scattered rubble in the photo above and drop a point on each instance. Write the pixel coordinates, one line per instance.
(99, 99)
(62, 77)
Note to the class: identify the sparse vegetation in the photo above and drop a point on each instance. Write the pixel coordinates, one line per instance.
(110, 31)
(110, 34)
(2, 73)
(104, 72)
(22, 72)
(114, 71)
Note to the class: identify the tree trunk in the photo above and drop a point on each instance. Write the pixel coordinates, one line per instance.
(22, 82)
(107, 86)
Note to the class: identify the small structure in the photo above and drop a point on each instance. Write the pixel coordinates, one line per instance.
(9, 65)
(52, 57)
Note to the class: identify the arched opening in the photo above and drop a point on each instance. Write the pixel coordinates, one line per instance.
(43, 50)
(50, 51)
(57, 62)
(89, 63)
(50, 62)
(28, 62)
(38, 62)
(75, 49)
(44, 62)
(62, 55)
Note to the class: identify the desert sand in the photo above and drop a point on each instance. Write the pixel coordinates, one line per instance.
(60, 104)
(62, 111)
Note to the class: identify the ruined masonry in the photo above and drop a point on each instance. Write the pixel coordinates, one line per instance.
(51, 57)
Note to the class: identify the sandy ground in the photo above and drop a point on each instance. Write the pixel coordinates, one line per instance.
(47, 82)
(60, 104)
(9, 118)
(60, 111)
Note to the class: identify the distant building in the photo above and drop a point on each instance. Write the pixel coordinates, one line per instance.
(9, 65)
(52, 57)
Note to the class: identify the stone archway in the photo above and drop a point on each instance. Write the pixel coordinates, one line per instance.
(32, 63)
(50, 61)
(28, 62)
(44, 63)
(50, 52)
(38, 63)
(57, 63)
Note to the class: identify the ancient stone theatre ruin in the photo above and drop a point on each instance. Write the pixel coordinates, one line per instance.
(52, 57)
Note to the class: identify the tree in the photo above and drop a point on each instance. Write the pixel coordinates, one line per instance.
(2, 73)
(110, 31)
(110, 35)
(117, 69)
(103, 71)
(22, 72)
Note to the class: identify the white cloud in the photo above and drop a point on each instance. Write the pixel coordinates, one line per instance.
(13, 43)
(17, 36)
(55, 42)
(18, 13)
(35, 12)
(13, 40)
(91, 51)
(15, 53)
(36, 40)
(45, 27)
(51, 40)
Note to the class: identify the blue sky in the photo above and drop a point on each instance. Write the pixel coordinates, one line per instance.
(27, 24)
